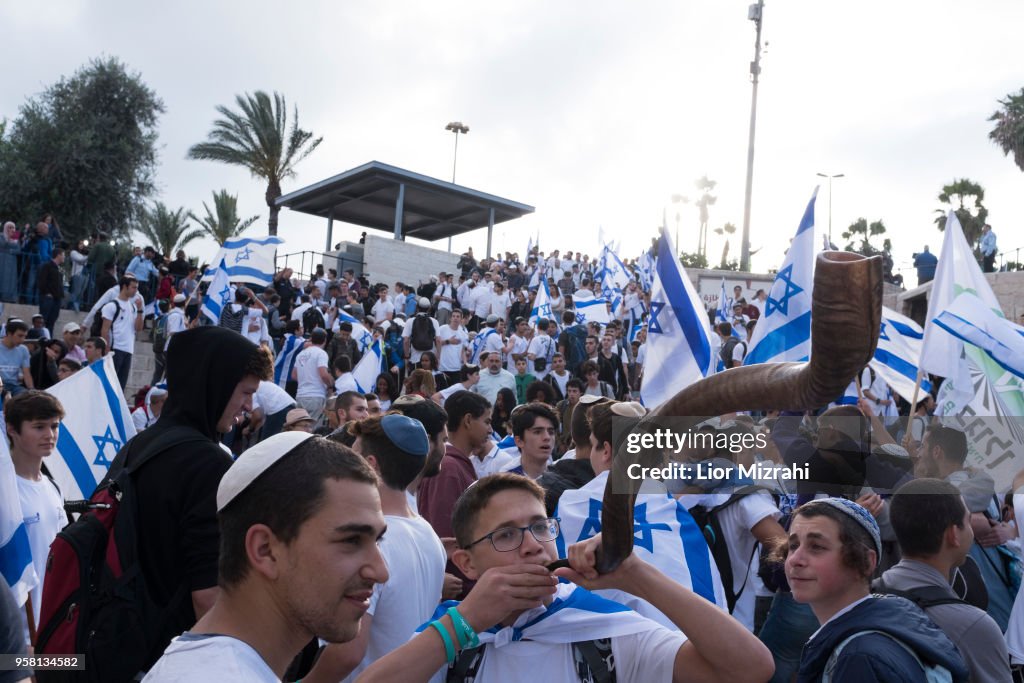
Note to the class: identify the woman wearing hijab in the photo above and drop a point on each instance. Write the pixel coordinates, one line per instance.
(43, 364)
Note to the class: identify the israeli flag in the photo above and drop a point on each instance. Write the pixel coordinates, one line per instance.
(248, 259)
(541, 305)
(538, 275)
(969, 320)
(478, 344)
(723, 313)
(784, 332)
(285, 361)
(592, 311)
(646, 271)
(614, 277)
(666, 536)
(218, 294)
(368, 367)
(359, 332)
(898, 353)
(15, 552)
(678, 332)
(96, 425)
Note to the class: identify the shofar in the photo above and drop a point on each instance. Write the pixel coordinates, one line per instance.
(846, 317)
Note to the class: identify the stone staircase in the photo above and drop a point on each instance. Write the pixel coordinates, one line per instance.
(143, 362)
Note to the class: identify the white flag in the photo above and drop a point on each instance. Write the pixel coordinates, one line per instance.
(678, 332)
(784, 331)
(96, 425)
(248, 259)
(218, 294)
(368, 367)
(898, 353)
(592, 311)
(970, 321)
(541, 305)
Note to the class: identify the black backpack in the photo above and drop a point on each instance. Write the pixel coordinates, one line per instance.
(922, 596)
(96, 329)
(95, 599)
(575, 348)
(422, 336)
(708, 522)
(727, 348)
(312, 318)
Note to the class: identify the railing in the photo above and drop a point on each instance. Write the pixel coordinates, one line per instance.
(18, 272)
(304, 263)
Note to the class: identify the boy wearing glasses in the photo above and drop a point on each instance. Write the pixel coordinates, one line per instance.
(546, 630)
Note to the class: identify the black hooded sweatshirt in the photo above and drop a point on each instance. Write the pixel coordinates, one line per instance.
(179, 538)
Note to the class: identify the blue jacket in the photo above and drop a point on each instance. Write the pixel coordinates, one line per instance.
(874, 657)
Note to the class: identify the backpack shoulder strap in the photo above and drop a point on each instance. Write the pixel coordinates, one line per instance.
(174, 436)
(465, 666)
(597, 655)
(932, 673)
(922, 596)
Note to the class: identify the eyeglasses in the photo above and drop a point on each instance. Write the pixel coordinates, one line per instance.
(509, 538)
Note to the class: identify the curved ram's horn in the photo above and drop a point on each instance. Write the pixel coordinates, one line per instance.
(847, 312)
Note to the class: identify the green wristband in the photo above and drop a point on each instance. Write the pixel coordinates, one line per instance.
(449, 648)
(465, 633)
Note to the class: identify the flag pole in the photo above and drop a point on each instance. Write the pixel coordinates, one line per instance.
(31, 619)
(913, 405)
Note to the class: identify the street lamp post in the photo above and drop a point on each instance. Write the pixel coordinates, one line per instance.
(755, 13)
(455, 127)
(830, 177)
(679, 199)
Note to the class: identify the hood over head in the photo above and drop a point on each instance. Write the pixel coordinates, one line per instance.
(204, 365)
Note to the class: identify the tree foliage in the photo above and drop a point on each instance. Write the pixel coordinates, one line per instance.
(167, 230)
(257, 138)
(727, 229)
(704, 186)
(83, 150)
(694, 260)
(223, 222)
(860, 229)
(1008, 132)
(965, 197)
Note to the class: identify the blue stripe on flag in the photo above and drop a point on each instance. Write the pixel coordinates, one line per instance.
(807, 222)
(900, 365)
(75, 459)
(685, 315)
(790, 335)
(698, 559)
(113, 401)
(15, 556)
(905, 330)
(972, 334)
(239, 243)
(245, 271)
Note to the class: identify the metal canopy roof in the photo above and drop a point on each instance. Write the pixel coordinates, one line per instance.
(384, 197)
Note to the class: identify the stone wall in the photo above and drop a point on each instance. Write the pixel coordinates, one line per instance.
(389, 261)
(1008, 288)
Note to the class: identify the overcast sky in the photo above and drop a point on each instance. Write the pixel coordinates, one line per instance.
(594, 112)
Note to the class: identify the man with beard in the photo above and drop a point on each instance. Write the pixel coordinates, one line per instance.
(435, 422)
(395, 446)
(300, 520)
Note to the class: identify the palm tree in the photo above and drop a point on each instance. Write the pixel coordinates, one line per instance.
(223, 222)
(1009, 129)
(257, 138)
(727, 229)
(167, 230)
(860, 228)
(704, 185)
(965, 194)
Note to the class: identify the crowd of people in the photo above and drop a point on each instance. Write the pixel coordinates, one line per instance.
(294, 524)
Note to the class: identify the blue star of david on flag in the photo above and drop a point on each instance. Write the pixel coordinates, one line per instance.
(654, 326)
(882, 334)
(642, 529)
(580, 318)
(782, 305)
(101, 444)
(243, 255)
(225, 295)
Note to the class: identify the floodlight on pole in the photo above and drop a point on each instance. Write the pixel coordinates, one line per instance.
(455, 127)
(755, 13)
(830, 177)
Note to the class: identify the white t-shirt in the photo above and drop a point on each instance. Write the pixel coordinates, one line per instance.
(416, 561)
(495, 461)
(122, 330)
(414, 353)
(175, 324)
(451, 354)
(381, 310)
(737, 520)
(542, 346)
(254, 327)
(639, 658)
(272, 398)
(562, 380)
(43, 511)
(345, 382)
(195, 658)
(446, 392)
(519, 346)
(299, 310)
(307, 365)
(444, 290)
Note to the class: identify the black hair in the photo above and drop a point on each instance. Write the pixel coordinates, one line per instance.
(952, 441)
(398, 469)
(15, 326)
(921, 510)
(526, 415)
(31, 405)
(283, 497)
(541, 392)
(463, 403)
(343, 363)
(473, 500)
(432, 416)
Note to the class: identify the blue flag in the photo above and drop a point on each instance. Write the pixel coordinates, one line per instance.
(784, 331)
(678, 332)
